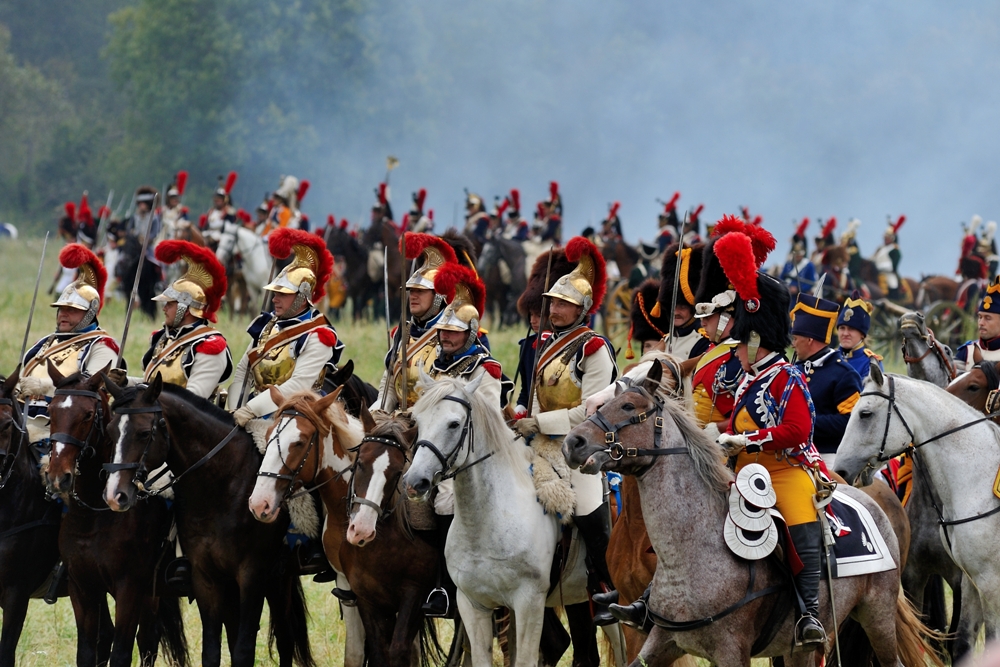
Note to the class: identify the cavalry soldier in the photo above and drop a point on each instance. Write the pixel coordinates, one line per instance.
(416, 220)
(516, 227)
(550, 215)
(425, 305)
(852, 327)
(987, 348)
(86, 225)
(833, 384)
(972, 267)
(572, 364)
(887, 258)
(285, 212)
(261, 213)
(78, 344)
(611, 226)
(849, 241)
(772, 421)
(648, 331)
(824, 241)
(293, 347)
(136, 225)
(799, 273)
(477, 220)
(838, 283)
(691, 232)
(214, 222)
(174, 211)
(668, 223)
(460, 354)
(382, 209)
(645, 267)
(689, 342)
(986, 247)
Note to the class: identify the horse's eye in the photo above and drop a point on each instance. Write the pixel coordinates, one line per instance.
(145, 433)
(628, 406)
(865, 414)
(973, 387)
(453, 425)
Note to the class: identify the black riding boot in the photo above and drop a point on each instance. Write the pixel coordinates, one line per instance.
(438, 603)
(595, 529)
(58, 583)
(808, 540)
(178, 576)
(312, 555)
(634, 615)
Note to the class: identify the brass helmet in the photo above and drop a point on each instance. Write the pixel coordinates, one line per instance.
(309, 270)
(431, 252)
(466, 296)
(586, 284)
(201, 288)
(87, 291)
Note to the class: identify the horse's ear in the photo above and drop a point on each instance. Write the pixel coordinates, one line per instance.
(367, 421)
(473, 385)
(343, 373)
(97, 379)
(152, 392)
(112, 388)
(54, 373)
(276, 396)
(876, 373)
(324, 403)
(10, 383)
(651, 382)
(423, 378)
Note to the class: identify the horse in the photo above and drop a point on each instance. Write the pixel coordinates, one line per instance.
(958, 450)
(975, 385)
(127, 266)
(255, 266)
(622, 254)
(356, 394)
(501, 295)
(696, 571)
(106, 552)
(381, 237)
(307, 443)
(926, 358)
(236, 562)
(29, 524)
(360, 287)
(501, 543)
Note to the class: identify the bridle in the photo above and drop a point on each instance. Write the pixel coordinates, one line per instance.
(311, 447)
(616, 450)
(16, 431)
(467, 435)
(84, 448)
(933, 345)
(352, 498)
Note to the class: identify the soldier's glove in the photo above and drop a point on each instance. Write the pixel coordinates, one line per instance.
(119, 376)
(526, 426)
(732, 443)
(243, 415)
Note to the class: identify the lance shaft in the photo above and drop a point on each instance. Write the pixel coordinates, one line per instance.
(677, 280)
(34, 299)
(135, 283)
(263, 309)
(543, 324)
(404, 329)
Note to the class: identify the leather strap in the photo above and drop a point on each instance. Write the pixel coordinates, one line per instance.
(289, 334)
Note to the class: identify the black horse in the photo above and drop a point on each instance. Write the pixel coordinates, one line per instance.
(128, 265)
(29, 524)
(356, 392)
(236, 560)
(106, 552)
(360, 286)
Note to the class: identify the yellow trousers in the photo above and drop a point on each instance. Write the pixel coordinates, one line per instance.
(793, 486)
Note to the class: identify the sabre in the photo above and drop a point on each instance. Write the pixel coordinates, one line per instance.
(827, 543)
(31, 316)
(543, 323)
(677, 280)
(404, 329)
(135, 283)
(385, 293)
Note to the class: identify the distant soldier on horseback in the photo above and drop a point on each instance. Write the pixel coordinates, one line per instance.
(887, 258)
(214, 222)
(973, 265)
(849, 241)
(853, 323)
(668, 223)
(174, 211)
(611, 226)
(773, 418)
(987, 348)
(691, 232)
(549, 217)
(573, 362)
(78, 345)
(688, 341)
(799, 273)
(416, 220)
(137, 224)
(824, 241)
(285, 212)
(477, 220)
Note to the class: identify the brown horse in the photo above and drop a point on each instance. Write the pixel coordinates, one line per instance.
(29, 524)
(106, 552)
(868, 273)
(975, 386)
(625, 256)
(236, 562)
(383, 232)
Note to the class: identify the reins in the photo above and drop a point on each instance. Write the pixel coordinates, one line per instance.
(468, 434)
(291, 478)
(352, 498)
(5, 453)
(933, 345)
(616, 450)
(83, 446)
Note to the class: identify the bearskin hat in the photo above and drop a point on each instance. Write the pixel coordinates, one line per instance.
(643, 325)
(713, 279)
(465, 249)
(763, 301)
(691, 261)
(531, 299)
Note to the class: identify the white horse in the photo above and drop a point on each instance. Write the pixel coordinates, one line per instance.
(253, 249)
(501, 544)
(960, 470)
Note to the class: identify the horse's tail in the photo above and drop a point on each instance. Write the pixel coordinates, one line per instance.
(431, 652)
(913, 638)
(172, 639)
(289, 617)
(855, 649)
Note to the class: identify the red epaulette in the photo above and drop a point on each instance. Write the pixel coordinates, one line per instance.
(326, 336)
(493, 368)
(111, 343)
(211, 345)
(185, 210)
(392, 334)
(593, 345)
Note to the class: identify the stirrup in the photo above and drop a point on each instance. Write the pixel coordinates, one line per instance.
(635, 615)
(347, 597)
(811, 626)
(432, 606)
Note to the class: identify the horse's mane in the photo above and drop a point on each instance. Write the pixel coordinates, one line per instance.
(487, 417)
(393, 427)
(705, 454)
(347, 430)
(200, 404)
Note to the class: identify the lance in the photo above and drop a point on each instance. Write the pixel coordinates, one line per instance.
(31, 316)
(677, 280)
(385, 293)
(404, 329)
(98, 238)
(135, 283)
(543, 324)
(263, 309)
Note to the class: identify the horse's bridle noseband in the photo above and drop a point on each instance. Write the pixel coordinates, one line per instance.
(84, 448)
(468, 434)
(616, 450)
(313, 443)
(352, 498)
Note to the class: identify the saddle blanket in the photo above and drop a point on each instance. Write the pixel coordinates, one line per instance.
(858, 546)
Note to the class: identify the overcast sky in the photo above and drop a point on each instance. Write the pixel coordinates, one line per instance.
(791, 108)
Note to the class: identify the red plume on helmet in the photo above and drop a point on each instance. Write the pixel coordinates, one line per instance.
(419, 198)
(382, 193)
(553, 190)
(430, 214)
(74, 255)
(453, 273)
(515, 199)
(83, 213)
(103, 212)
(757, 220)
(203, 220)
(577, 247)
(182, 181)
(761, 240)
(303, 189)
(343, 224)
(541, 209)
(728, 223)
(502, 208)
(331, 220)
(415, 244)
(828, 228)
(230, 182)
(174, 250)
(800, 231)
(696, 212)
(735, 253)
(281, 242)
(70, 209)
(613, 212)
(672, 204)
(899, 223)
(243, 215)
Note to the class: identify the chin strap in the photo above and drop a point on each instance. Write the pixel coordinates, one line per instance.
(724, 318)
